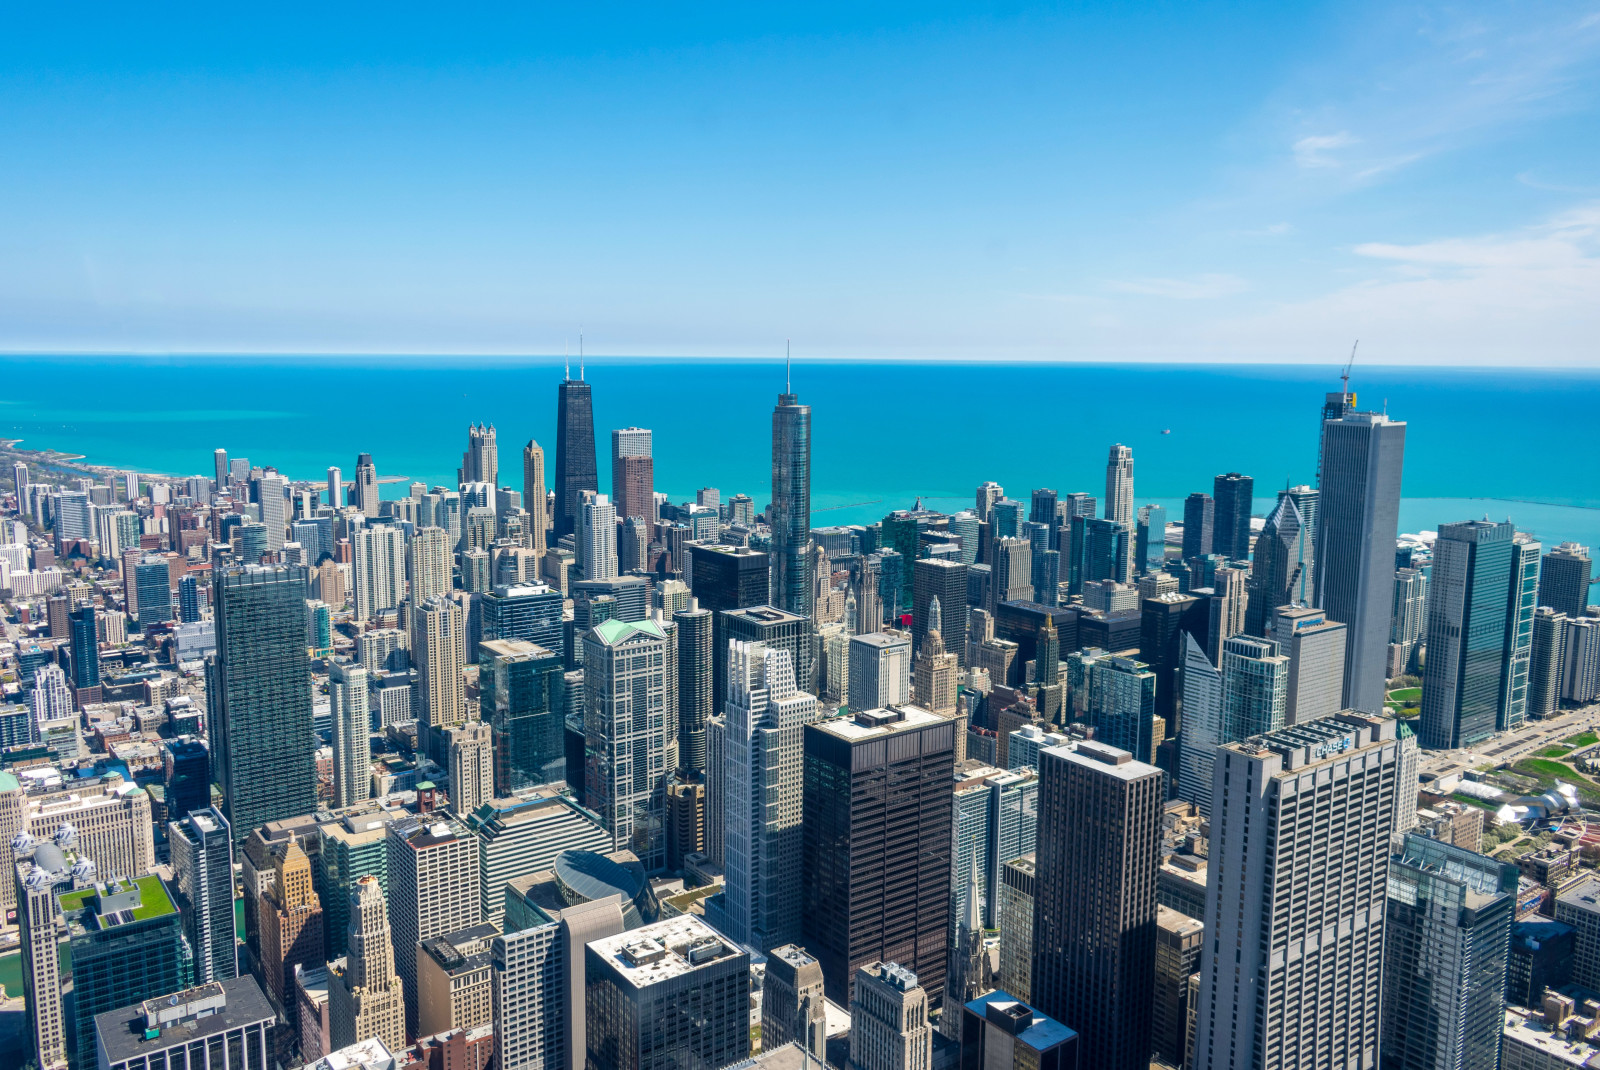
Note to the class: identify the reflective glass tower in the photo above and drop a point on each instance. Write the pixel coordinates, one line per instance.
(575, 463)
(791, 506)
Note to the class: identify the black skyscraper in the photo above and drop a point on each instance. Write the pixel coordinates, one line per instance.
(1230, 532)
(695, 676)
(575, 463)
(1199, 517)
(791, 508)
(721, 578)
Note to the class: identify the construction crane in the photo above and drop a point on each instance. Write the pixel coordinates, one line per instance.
(1344, 376)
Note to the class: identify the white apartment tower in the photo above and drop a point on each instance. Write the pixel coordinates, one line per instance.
(379, 567)
(597, 537)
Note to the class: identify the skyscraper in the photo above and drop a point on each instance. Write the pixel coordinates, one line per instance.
(350, 707)
(379, 569)
(1314, 646)
(1564, 579)
(85, 654)
(154, 581)
(533, 494)
(1358, 518)
(761, 781)
(934, 673)
(1448, 928)
(438, 653)
(1119, 499)
(695, 676)
(946, 580)
(791, 505)
(723, 578)
(290, 931)
(1282, 569)
(1544, 662)
(1230, 532)
(258, 689)
(366, 488)
(1099, 848)
(469, 752)
(633, 473)
(430, 557)
(219, 461)
(1323, 795)
(880, 670)
(202, 863)
(889, 1019)
(335, 488)
(520, 691)
(481, 461)
(575, 462)
(877, 842)
(626, 734)
(1468, 602)
(597, 537)
(433, 891)
(1199, 518)
(1522, 599)
(366, 997)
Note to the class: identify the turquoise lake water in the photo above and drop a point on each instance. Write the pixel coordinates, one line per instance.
(1511, 443)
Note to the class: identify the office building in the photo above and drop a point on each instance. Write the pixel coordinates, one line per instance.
(889, 1019)
(1314, 646)
(1578, 905)
(220, 1025)
(1281, 572)
(1230, 532)
(202, 864)
(258, 694)
(944, 580)
(672, 993)
(519, 689)
(627, 734)
(633, 473)
(433, 890)
(481, 461)
(186, 775)
(693, 631)
(1150, 539)
(724, 578)
(530, 834)
(880, 670)
(1199, 519)
(290, 927)
(469, 750)
(575, 459)
(877, 842)
(775, 629)
(153, 580)
(1099, 548)
(365, 994)
(790, 514)
(1446, 935)
(1099, 845)
(1357, 520)
(351, 710)
(1002, 1032)
(1564, 579)
(1323, 795)
(935, 671)
(1517, 658)
(527, 611)
(533, 495)
(1119, 499)
(760, 783)
(597, 537)
(455, 977)
(1178, 945)
(1468, 602)
(378, 568)
(438, 653)
(1163, 620)
(1121, 703)
(366, 486)
(1544, 662)
(1015, 918)
(793, 1007)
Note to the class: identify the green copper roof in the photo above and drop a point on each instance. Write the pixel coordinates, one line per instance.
(1403, 731)
(9, 781)
(615, 631)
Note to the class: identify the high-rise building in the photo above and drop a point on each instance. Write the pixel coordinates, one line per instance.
(633, 473)
(1119, 500)
(944, 580)
(1099, 847)
(1544, 662)
(85, 650)
(1318, 796)
(1178, 945)
(793, 1008)
(1010, 571)
(258, 694)
(1202, 724)
(1357, 520)
(433, 891)
(761, 780)
(519, 686)
(675, 993)
(274, 492)
(1314, 646)
(335, 488)
(1199, 518)
(1522, 598)
(202, 864)
(575, 461)
(290, 927)
(1468, 601)
(366, 488)
(880, 670)
(1150, 539)
(533, 494)
(1015, 917)
(1230, 532)
(723, 578)
(1580, 660)
(351, 709)
(1564, 579)
(481, 461)
(438, 653)
(154, 581)
(626, 715)
(1098, 549)
(790, 517)
(208, 1027)
(1284, 561)
(1447, 933)
(597, 537)
(935, 671)
(695, 676)
(526, 611)
(186, 775)
(1005, 1033)
(429, 559)
(469, 752)
(219, 460)
(378, 568)
(775, 629)
(365, 994)
(889, 1027)
(877, 842)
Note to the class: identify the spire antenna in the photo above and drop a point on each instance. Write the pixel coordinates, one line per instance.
(566, 355)
(787, 380)
(580, 355)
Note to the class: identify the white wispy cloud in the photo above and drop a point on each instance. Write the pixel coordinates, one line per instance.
(1193, 288)
(1315, 151)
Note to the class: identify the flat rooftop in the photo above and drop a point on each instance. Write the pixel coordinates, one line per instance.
(193, 1015)
(876, 724)
(667, 949)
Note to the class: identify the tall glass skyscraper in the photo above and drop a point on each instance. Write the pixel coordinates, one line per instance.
(1468, 602)
(575, 463)
(520, 686)
(791, 507)
(258, 687)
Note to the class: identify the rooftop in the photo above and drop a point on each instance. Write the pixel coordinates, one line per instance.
(119, 902)
(1527, 1028)
(615, 631)
(148, 1027)
(1107, 761)
(1037, 1031)
(667, 949)
(876, 724)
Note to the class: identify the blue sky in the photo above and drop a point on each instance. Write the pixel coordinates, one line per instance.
(1253, 182)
